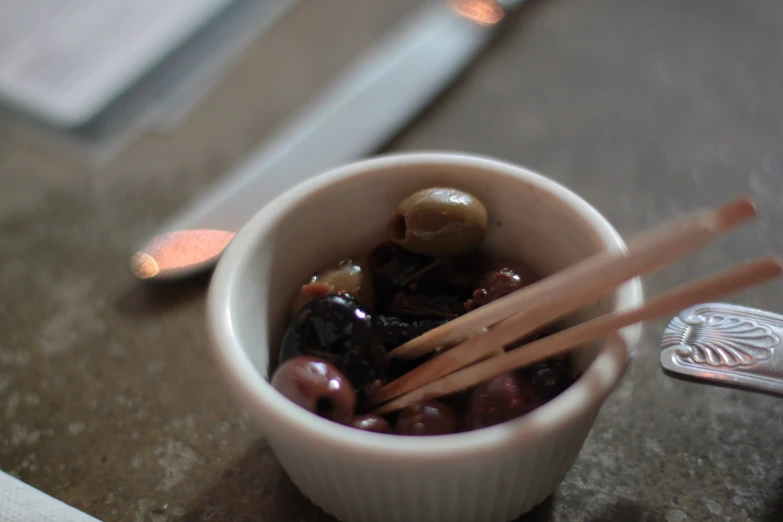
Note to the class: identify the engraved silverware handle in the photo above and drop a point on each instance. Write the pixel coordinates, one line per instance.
(725, 344)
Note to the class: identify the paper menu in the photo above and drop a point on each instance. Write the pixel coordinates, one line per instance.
(64, 60)
(20, 502)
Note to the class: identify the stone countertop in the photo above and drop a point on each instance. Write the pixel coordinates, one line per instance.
(109, 399)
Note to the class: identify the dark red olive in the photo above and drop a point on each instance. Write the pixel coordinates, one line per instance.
(498, 400)
(426, 418)
(550, 379)
(370, 422)
(499, 281)
(337, 329)
(316, 386)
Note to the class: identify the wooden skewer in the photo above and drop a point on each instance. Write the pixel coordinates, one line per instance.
(705, 289)
(475, 348)
(595, 274)
(546, 301)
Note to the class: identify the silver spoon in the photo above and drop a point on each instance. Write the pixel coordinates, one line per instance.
(375, 98)
(726, 345)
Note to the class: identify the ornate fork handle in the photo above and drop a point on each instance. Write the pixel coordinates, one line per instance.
(726, 344)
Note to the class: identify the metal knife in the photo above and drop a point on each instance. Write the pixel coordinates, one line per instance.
(374, 99)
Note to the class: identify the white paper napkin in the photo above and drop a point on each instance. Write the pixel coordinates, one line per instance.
(20, 502)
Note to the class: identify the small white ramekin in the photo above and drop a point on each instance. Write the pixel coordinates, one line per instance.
(493, 474)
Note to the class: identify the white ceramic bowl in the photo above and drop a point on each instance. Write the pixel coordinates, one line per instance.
(493, 474)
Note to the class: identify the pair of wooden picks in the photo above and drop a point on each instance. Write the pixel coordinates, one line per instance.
(478, 338)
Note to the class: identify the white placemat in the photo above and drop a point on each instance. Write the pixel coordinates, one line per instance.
(65, 59)
(20, 502)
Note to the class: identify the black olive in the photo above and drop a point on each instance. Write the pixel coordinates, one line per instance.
(550, 379)
(336, 329)
(394, 268)
(421, 306)
(395, 332)
(461, 271)
(397, 266)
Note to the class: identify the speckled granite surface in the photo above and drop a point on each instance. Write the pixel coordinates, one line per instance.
(109, 400)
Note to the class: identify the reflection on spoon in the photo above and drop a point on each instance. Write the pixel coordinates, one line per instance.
(726, 344)
(180, 253)
(483, 12)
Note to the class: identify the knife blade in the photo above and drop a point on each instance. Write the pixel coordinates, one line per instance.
(373, 100)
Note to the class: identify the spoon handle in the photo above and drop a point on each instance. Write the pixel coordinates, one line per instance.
(358, 113)
(726, 344)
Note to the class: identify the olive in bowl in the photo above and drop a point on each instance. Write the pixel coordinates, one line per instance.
(358, 475)
(439, 221)
(317, 386)
(418, 289)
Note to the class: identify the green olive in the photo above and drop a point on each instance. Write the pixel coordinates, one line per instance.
(439, 222)
(349, 276)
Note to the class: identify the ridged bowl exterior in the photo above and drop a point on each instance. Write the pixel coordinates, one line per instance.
(496, 489)
(493, 474)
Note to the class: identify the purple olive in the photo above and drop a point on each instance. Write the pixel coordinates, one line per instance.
(498, 400)
(370, 422)
(426, 418)
(316, 386)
